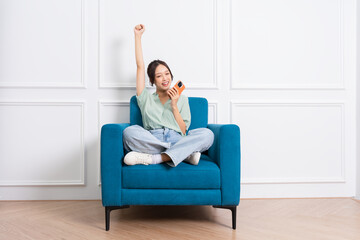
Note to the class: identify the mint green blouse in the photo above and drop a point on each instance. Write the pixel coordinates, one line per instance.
(157, 115)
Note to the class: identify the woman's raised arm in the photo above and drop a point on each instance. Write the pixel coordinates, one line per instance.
(140, 72)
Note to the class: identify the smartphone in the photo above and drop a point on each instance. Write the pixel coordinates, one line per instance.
(179, 86)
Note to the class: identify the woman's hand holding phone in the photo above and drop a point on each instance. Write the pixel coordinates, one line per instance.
(179, 86)
(173, 93)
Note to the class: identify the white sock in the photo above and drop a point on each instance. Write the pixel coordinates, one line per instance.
(156, 158)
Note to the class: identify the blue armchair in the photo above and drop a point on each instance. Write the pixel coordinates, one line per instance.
(214, 181)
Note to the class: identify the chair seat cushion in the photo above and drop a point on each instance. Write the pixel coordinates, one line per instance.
(205, 175)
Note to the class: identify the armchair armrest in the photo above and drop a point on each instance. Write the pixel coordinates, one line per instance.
(112, 152)
(227, 154)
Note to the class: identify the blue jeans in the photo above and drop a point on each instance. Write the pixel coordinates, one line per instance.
(165, 140)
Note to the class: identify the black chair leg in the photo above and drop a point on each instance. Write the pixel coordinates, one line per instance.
(233, 211)
(107, 214)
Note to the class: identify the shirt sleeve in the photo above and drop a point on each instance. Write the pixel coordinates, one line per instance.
(185, 112)
(141, 99)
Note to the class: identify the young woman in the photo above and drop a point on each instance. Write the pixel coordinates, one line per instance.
(166, 118)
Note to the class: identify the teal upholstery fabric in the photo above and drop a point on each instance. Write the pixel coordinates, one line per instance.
(199, 112)
(206, 175)
(215, 181)
(226, 151)
(171, 197)
(135, 113)
(111, 154)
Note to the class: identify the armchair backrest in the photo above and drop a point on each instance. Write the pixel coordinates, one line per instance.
(198, 109)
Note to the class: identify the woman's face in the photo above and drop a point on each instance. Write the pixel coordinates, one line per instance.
(162, 78)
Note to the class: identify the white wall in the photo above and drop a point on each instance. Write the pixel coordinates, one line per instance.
(358, 102)
(284, 71)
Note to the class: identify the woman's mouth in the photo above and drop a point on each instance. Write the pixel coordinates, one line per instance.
(165, 84)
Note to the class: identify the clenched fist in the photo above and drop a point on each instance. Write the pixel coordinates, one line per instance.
(139, 29)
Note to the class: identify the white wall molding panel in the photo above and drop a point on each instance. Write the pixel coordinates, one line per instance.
(42, 44)
(289, 46)
(277, 138)
(213, 113)
(186, 44)
(42, 135)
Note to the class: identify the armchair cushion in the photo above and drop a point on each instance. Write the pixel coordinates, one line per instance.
(206, 175)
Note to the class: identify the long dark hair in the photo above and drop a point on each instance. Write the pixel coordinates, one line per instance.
(152, 67)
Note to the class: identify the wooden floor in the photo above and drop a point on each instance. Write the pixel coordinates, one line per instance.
(300, 219)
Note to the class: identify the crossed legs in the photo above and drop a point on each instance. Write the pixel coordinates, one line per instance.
(140, 140)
